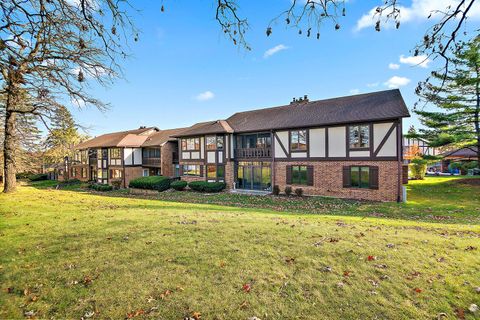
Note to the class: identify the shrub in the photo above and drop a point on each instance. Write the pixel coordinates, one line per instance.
(70, 182)
(204, 186)
(101, 187)
(179, 185)
(116, 184)
(39, 177)
(276, 190)
(24, 175)
(418, 168)
(159, 183)
(288, 190)
(299, 192)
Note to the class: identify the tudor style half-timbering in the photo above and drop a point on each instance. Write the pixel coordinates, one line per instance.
(119, 157)
(344, 147)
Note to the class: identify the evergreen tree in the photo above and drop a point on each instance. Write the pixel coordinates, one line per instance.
(62, 137)
(456, 97)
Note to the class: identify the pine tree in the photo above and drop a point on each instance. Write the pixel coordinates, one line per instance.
(456, 96)
(62, 137)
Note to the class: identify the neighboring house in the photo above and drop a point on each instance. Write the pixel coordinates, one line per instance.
(349, 147)
(458, 155)
(119, 157)
(413, 147)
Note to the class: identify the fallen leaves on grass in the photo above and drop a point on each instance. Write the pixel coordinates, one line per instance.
(371, 258)
(418, 290)
(460, 313)
(470, 248)
(289, 260)
(247, 287)
(136, 313)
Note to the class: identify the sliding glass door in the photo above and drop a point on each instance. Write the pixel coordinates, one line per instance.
(254, 176)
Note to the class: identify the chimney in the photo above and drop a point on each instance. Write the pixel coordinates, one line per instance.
(142, 127)
(300, 100)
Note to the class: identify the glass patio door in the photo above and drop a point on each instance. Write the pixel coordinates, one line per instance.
(254, 176)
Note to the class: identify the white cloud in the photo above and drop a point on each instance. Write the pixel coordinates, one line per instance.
(396, 82)
(373, 84)
(270, 52)
(393, 66)
(204, 96)
(421, 60)
(354, 91)
(419, 10)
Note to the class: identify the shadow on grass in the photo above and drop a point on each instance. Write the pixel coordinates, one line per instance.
(434, 200)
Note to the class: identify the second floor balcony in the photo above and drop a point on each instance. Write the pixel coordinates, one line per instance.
(253, 153)
(153, 162)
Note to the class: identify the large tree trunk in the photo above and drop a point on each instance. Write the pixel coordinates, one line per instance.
(9, 170)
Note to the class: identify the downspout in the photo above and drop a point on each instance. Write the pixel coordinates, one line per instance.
(273, 158)
(400, 158)
(123, 166)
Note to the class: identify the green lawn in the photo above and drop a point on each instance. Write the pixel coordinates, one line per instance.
(73, 254)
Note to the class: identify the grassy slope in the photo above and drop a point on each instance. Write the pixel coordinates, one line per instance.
(133, 250)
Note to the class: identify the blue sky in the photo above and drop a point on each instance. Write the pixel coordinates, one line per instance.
(183, 70)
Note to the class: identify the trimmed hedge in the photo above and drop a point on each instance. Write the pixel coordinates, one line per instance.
(179, 185)
(159, 183)
(204, 186)
(70, 182)
(39, 177)
(101, 187)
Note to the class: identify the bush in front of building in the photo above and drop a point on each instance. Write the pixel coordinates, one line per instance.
(299, 192)
(116, 184)
(418, 169)
(276, 190)
(179, 185)
(159, 183)
(101, 187)
(288, 190)
(39, 177)
(24, 175)
(204, 186)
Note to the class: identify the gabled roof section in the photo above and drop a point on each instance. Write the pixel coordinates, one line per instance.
(209, 127)
(162, 136)
(358, 108)
(466, 152)
(130, 138)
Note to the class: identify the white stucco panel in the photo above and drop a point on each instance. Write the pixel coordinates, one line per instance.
(283, 137)
(337, 142)
(389, 149)
(195, 155)
(202, 147)
(211, 156)
(137, 155)
(185, 155)
(379, 131)
(298, 155)
(317, 142)
(127, 156)
(354, 154)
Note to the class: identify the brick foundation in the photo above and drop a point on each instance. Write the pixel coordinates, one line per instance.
(328, 180)
(78, 172)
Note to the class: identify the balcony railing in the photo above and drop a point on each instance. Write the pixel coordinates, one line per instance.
(253, 153)
(151, 162)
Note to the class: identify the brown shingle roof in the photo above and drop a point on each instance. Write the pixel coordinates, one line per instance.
(130, 138)
(210, 127)
(162, 136)
(469, 152)
(363, 107)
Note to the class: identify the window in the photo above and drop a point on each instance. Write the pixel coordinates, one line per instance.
(359, 136)
(298, 140)
(74, 172)
(191, 170)
(115, 174)
(211, 143)
(190, 144)
(360, 177)
(260, 140)
(84, 172)
(299, 175)
(102, 174)
(212, 172)
(115, 153)
(214, 142)
(145, 173)
(151, 153)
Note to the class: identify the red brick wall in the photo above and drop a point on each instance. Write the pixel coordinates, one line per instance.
(78, 172)
(166, 154)
(131, 173)
(328, 179)
(229, 174)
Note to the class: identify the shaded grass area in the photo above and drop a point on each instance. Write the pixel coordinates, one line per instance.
(444, 199)
(71, 254)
